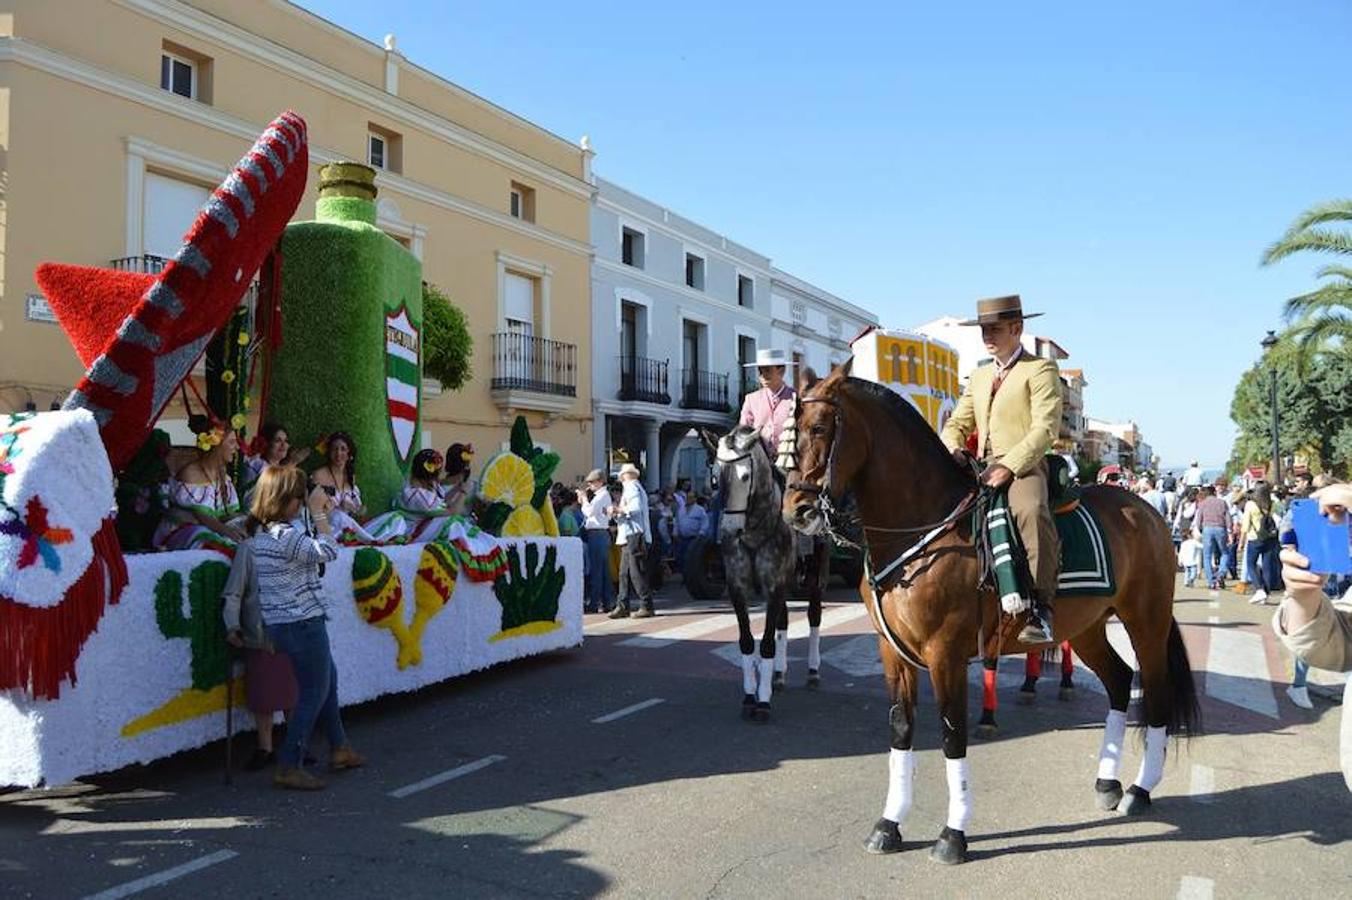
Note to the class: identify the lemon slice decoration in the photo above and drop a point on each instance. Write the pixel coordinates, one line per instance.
(507, 478)
(524, 520)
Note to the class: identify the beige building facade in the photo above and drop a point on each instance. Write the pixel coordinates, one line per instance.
(112, 134)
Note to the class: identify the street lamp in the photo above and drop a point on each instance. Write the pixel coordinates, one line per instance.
(1267, 344)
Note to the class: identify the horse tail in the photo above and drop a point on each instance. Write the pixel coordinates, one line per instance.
(1184, 712)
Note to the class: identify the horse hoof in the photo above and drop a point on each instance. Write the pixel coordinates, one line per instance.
(1067, 692)
(950, 849)
(1107, 794)
(987, 731)
(762, 713)
(1025, 698)
(748, 705)
(814, 679)
(886, 838)
(777, 681)
(1136, 802)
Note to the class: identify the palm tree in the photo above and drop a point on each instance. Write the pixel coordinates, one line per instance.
(1321, 320)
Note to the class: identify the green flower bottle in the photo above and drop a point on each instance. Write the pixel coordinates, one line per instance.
(351, 353)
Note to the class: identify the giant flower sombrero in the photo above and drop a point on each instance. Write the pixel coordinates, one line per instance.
(140, 335)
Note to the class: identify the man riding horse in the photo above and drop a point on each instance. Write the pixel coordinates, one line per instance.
(1013, 406)
(767, 409)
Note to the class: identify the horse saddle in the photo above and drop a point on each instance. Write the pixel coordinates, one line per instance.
(1086, 563)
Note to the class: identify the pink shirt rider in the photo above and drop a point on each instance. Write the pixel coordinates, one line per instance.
(766, 411)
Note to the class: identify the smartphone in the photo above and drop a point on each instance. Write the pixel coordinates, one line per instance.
(1323, 543)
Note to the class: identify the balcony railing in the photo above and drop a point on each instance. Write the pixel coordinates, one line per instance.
(150, 264)
(704, 390)
(644, 379)
(145, 264)
(522, 362)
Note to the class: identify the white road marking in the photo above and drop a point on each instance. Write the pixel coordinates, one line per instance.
(857, 657)
(1202, 787)
(1193, 888)
(688, 631)
(159, 878)
(1213, 620)
(443, 777)
(1237, 671)
(621, 713)
(831, 618)
(1117, 636)
(1214, 604)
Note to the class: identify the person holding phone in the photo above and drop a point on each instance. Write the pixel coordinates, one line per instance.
(1313, 627)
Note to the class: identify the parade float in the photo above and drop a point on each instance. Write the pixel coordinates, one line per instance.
(919, 368)
(108, 657)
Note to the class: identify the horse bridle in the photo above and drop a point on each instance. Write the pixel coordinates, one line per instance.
(834, 521)
(751, 489)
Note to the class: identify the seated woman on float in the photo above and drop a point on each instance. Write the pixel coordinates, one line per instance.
(420, 513)
(204, 511)
(270, 447)
(455, 487)
(336, 478)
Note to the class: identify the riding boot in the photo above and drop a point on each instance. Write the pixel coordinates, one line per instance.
(1038, 629)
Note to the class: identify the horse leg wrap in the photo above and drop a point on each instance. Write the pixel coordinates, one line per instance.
(748, 673)
(900, 785)
(765, 670)
(959, 794)
(814, 648)
(1110, 752)
(782, 652)
(1152, 765)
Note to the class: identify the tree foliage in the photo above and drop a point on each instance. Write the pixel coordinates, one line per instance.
(1314, 399)
(447, 346)
(1321, 320)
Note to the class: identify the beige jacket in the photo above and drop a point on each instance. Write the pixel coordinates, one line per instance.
(1023, 421)
(1326, 643)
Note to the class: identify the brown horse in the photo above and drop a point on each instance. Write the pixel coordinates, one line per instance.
(931, 611)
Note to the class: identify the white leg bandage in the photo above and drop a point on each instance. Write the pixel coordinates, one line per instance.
(900, 785)
(781, 651)
(748, 673)
(764, 668)
(814, 648)
(959, 794)
(1110, 753)
(1152, 766)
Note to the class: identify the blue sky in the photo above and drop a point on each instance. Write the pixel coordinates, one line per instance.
(1121, 166)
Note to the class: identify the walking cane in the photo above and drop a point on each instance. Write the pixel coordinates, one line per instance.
(229, 715)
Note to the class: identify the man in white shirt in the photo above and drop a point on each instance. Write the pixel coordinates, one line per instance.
(631, 517)
(1193, 477)
(594, 501)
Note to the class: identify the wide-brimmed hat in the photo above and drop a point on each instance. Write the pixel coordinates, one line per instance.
(769, 358)
(629, 469)
(999, 309)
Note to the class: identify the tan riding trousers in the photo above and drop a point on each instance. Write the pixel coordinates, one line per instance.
(1032, 516)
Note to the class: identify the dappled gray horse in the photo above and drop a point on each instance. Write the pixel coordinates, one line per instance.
(759, 560)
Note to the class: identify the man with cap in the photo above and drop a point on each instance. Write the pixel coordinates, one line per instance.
(594, 500)
(631, 519)
(767, 409)
(1013, 405)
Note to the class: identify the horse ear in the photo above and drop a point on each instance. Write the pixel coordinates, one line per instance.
(709, 439)
(807, 377)
(845, 367)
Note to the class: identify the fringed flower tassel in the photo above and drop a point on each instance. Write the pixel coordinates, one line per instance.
(40, 645)
(786, 458)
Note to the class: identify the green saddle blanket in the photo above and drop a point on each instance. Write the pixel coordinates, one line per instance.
(1086, 564)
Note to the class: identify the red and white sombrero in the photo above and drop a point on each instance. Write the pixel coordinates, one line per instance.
(140, 335)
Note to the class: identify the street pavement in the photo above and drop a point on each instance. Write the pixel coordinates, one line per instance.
(623, 768)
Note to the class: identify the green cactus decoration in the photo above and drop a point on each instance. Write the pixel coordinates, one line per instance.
(529, 594)
(203, 626)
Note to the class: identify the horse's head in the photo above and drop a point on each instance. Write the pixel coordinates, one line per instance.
(824, 464)
(743, 472)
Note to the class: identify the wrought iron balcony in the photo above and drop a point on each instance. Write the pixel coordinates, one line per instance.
(145, 264)
(644, 379)
(704, 390)
(522, 362)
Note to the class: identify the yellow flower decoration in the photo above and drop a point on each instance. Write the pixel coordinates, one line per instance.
(430, 466)
(243, 339)
(228, 376)
(238, 421)
(209, 439)
(248, 402)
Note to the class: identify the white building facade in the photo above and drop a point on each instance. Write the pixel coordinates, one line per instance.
(813, 326)
(676, 309)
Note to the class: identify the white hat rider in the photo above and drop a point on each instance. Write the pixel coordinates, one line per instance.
(770, 357)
